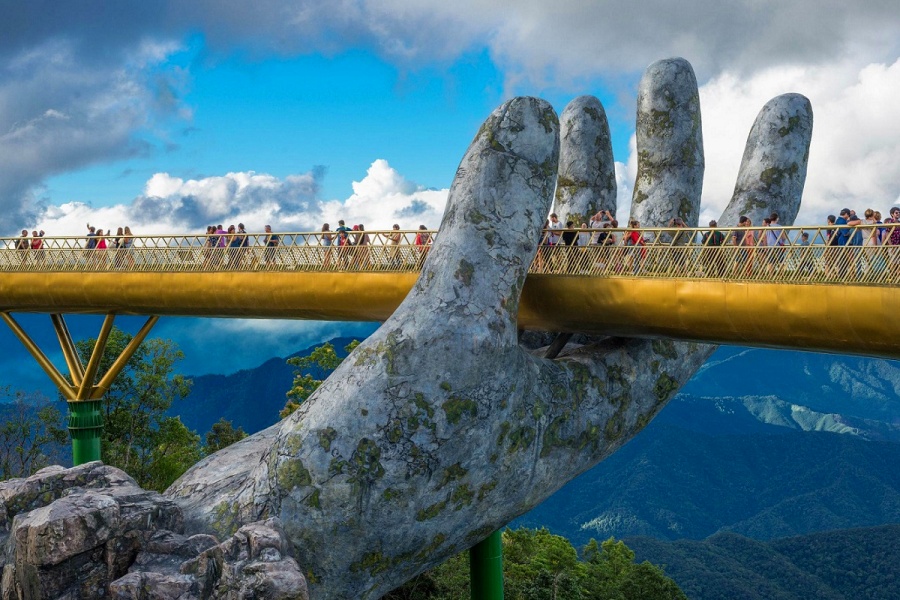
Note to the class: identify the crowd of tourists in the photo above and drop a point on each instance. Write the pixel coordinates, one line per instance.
(762, 245)
(229, 247)
(756, 245)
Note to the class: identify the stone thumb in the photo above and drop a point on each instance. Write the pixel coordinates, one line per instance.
(496, 208)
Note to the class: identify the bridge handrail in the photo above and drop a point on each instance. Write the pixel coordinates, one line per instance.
(867, 259)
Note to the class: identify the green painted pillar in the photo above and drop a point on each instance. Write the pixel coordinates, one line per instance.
(85, 427)
(486, 568)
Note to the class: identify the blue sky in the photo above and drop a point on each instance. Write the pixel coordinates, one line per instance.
(167, 116)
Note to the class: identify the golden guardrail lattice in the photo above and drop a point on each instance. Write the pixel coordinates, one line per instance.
(644, 253)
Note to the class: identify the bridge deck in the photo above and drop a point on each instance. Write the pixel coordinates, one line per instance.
(818, 297)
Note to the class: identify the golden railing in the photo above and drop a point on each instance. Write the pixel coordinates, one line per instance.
(685, 253)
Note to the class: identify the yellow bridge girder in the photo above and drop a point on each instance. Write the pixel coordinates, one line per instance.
(846, 319)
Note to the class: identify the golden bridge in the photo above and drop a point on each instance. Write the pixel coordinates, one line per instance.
(670, 283)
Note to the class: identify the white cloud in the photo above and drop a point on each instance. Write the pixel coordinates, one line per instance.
(174, 205)
(384, 197)
(855, 142)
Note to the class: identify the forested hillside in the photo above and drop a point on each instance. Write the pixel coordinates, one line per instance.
(854, 564)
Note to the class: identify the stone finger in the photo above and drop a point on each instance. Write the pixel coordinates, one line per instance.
(669, 179)
(773, 169)
(587, 172)
(470, 285)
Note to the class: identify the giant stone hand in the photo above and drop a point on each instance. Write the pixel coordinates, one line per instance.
(440, 428)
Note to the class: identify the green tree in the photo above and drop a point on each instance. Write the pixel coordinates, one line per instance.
(137, 433)
(221, 435)
(31, 433)
(611, 573)
(312, 370)
(538, 565)
(176, 449)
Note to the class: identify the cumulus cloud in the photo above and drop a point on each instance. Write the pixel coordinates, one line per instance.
(173, 205)
(855, 143)
(384, 197)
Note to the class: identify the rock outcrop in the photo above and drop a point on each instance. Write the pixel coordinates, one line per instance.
(91, 532)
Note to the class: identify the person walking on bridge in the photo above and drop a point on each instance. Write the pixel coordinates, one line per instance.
(712, 257)
(22, 246)
(892, 237)
(775, 245)
(746, 242)
(847, 237)
(272, 241)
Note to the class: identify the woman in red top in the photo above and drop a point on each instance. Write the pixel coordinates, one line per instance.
(36, 244)
(635, 239)
(422, 241)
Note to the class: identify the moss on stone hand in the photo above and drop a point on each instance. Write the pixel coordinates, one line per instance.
(520, 439)
(793, 123)
(373, 562)
(431, 512)
(326, 437)
(665, 348)
(462, 496)
(455, 408)
(465, 272)
(365, 464)
(291, 474)
(666, 385)
(486, 489)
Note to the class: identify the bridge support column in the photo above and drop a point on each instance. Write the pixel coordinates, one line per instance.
(86, 430)
(82, 395)
(486, 568)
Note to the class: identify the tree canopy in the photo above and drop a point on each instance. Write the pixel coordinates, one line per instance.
(32, 434)
(312, 370)
(538, 565)
(138, 436)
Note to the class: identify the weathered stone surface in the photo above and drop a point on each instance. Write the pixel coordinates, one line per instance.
(587, 172)
(154, 586)
(75, 530)
(773, 169)
(91, 532)
(255, 562)
(164, 551)
(440, 428)
(669, 144)
(45, 486)
(213, 483)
